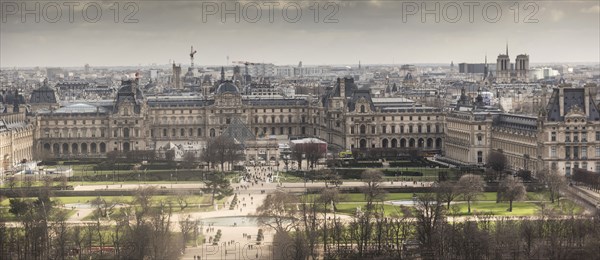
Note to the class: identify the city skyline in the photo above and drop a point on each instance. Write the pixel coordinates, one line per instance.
(384, 32)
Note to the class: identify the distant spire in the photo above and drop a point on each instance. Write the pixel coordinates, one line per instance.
(222, 74)
(506, 48)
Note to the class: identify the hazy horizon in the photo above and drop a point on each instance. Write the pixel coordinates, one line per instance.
(374, 32)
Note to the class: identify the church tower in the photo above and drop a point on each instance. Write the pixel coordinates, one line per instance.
(503, 67)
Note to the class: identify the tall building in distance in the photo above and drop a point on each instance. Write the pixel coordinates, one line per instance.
(176, 77)
(522, 68)
(511, 73)
(503, 68)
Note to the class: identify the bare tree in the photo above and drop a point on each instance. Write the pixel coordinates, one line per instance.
(313, 152)
(512, 189)
(221, 150)
(182, 199)
(297, 154)
(470, 186)
(447, 192)
(328, 197)
(104, 208)
(373, 192)
(187, 225)
(430, 217)
(553, 182)
(372, 180)
(278, 211)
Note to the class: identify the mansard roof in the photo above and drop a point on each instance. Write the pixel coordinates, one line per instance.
(573, 98)
(44, 94)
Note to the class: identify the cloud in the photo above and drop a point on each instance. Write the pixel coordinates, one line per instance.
(557, 15)
(591, 10)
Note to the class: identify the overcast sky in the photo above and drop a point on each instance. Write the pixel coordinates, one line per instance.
(375, 32)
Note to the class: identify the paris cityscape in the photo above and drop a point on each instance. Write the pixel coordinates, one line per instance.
(299, 130)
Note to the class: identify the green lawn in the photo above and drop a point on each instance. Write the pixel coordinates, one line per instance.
(487, 196)
(350, 209)
(486, 203)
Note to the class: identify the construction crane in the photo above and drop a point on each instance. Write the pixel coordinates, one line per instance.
(192, 52)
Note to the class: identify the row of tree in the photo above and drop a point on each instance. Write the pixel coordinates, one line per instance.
(140, 229)
(308, 228)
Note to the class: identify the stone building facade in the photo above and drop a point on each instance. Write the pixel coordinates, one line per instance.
(346, 117)
(565, 136)
(16, 140)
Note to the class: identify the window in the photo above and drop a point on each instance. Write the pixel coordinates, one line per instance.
(597, 135)
(568, 137)
(553, 151)
(372, 129)
(576, 137)
(584, 165)
(384, 129)
(575, 152)
(598, 167)
(584, 137)
(598, 151)
(393, 129)
(479, 157)
(553, 136)
(568, 169)
(584, 152)
(479, 127)
(567, 151)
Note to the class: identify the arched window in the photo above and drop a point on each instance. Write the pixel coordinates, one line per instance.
(362, 108)
(363, 129)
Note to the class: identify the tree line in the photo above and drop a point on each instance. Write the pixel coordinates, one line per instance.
(140, 229)
(308, 227)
